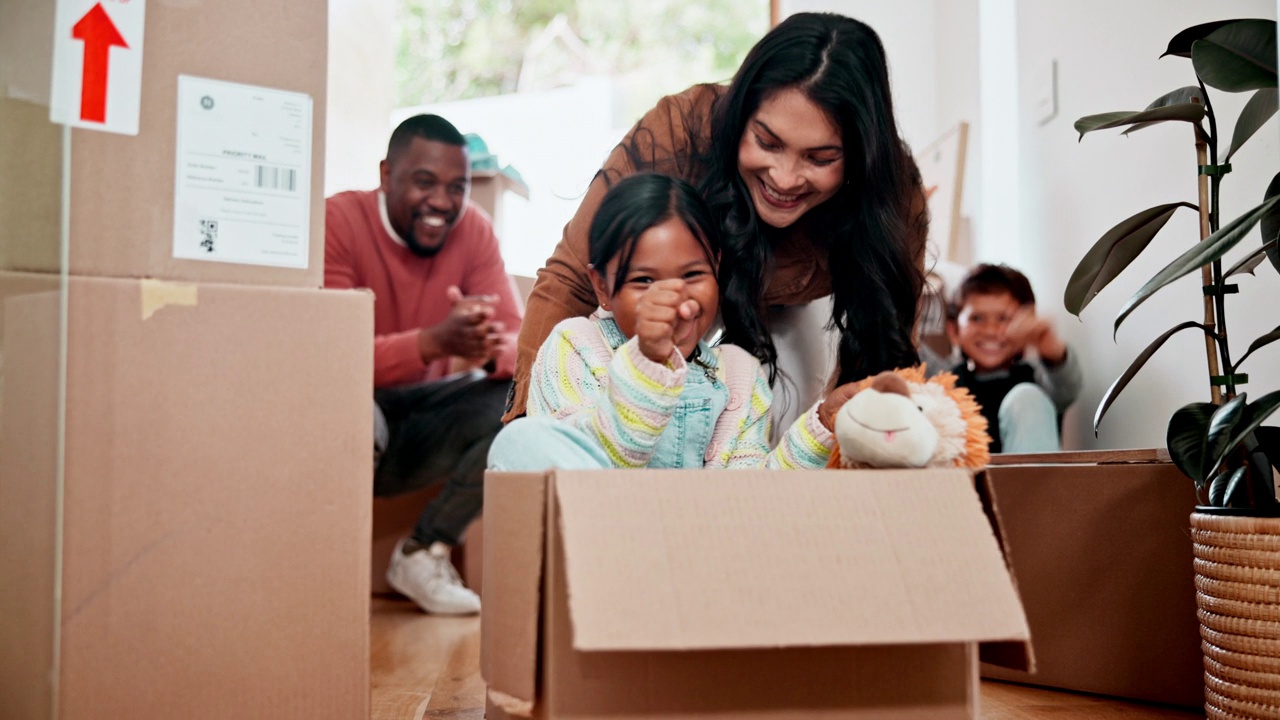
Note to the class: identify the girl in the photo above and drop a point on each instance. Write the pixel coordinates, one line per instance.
(640, 388)
(809, 185)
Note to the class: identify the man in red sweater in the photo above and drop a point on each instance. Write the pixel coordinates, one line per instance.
(442, 301)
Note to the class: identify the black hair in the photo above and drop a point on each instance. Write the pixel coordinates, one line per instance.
(427, 127)
(637, 203)
(988, 279)
(872, 231)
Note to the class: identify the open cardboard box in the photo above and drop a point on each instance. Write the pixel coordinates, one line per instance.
(1100, 544)
(830, 594)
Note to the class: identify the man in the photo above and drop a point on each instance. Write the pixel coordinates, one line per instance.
(442, 301)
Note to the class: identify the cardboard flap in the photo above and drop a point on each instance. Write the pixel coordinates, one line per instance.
(515, 503)
(1012, 655)
(670, 560)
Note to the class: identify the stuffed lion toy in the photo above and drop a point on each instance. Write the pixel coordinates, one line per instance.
(898, 419)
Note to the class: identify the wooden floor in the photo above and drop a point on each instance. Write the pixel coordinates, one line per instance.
(429, 667)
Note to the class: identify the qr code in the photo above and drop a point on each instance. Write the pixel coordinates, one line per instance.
(208, 234)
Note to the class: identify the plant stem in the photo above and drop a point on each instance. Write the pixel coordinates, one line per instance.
(1206, 272)
(1220, 296)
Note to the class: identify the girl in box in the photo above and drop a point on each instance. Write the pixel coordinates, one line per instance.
(635, 385)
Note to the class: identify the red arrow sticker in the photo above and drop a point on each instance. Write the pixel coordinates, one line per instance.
(99, 34)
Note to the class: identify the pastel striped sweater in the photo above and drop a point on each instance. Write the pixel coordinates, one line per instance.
(624, 400)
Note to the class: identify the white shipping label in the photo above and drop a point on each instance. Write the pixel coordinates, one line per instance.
(243, 187)
(97, 64)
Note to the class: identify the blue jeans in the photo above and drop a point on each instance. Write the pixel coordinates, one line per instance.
(1028, 421)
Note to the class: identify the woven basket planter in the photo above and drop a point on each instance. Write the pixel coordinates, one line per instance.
(1238, 595)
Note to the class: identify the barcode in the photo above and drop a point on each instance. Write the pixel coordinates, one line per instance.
(269, 177)
(208, 234)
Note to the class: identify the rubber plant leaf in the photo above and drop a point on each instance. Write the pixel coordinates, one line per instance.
(1221, 482)
(1271, 225)
(1180, 45)
(1185, 438)
(1268, 438)
(1251, 261)
(1268, 465)
(1258, 344)
(1254, 415)
(1269, 445)
(1237, 57)
(1187, 112)
(1233, 490)
(1123, 381)
(1183, 95)
(1201, 254)
(1221, 427)
(1114, 252)
(1255, 114)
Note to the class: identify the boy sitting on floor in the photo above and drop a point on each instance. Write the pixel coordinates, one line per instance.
(1013, 362)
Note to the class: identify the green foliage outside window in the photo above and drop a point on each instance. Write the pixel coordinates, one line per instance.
(458, 49)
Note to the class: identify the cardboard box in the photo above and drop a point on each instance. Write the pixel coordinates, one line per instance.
(213, 509)
(489, 189)
(13, 285)
(122, 187)
(1101, 548)
(749, 593)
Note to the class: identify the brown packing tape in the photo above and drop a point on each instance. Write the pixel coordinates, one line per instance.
(157, 294)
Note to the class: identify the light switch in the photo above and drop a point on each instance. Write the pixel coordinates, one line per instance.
(1046, 92)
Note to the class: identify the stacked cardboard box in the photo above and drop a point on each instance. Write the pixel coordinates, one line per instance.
(755, 594)
(192, 542)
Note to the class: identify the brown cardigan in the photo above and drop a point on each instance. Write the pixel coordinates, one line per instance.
(798, 271)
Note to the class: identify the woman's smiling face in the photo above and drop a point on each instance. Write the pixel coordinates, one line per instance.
(791, 157)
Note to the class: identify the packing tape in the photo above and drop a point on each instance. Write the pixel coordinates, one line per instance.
(158, 293)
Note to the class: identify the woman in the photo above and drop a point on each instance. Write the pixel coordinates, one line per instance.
(800, 160)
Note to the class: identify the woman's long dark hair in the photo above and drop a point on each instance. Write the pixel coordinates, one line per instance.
(873, 238)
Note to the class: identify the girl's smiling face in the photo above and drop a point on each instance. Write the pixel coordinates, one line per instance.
(666, 251)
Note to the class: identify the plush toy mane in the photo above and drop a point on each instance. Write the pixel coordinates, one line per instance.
(962, 430)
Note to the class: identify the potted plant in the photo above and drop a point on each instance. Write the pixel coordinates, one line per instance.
(1222, 445)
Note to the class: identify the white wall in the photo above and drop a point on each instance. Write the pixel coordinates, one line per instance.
(1071, 193)
(906, 27)
(957, 92)
(362, 44)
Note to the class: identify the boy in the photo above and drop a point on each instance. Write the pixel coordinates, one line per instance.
(992, 319)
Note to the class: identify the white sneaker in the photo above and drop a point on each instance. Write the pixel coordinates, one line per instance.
(428, 578)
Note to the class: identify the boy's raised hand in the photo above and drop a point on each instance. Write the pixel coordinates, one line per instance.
(1028, 330)
(665, 316)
